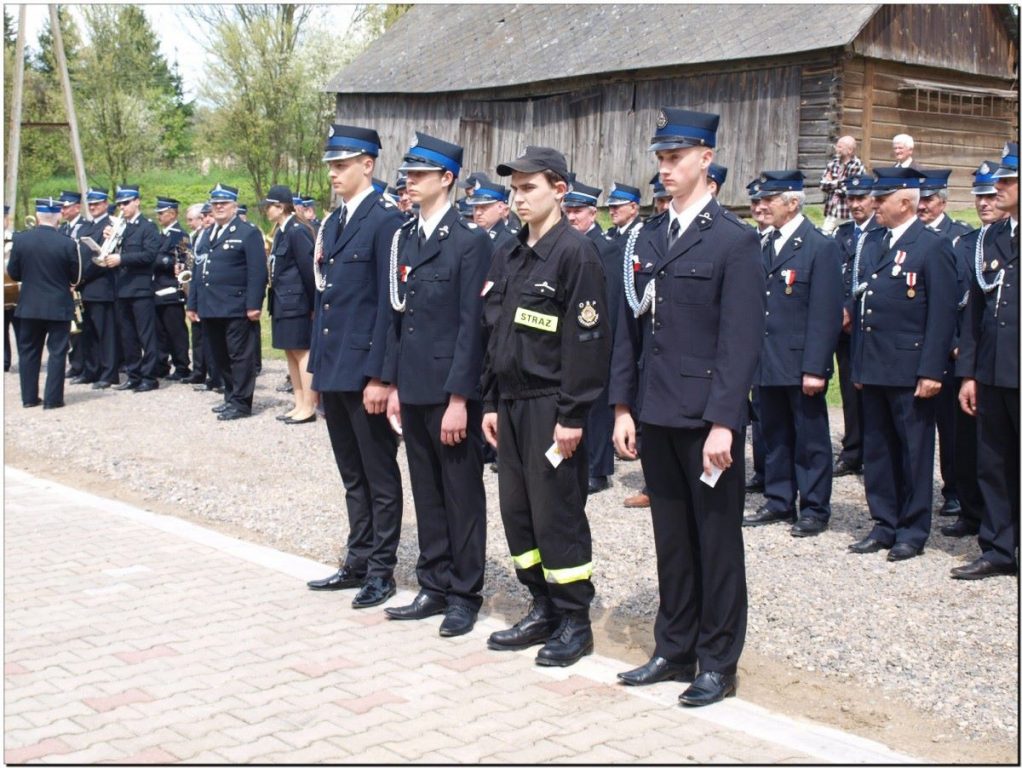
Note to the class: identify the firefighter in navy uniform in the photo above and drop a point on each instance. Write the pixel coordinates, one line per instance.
(74, 226)
(988, 364)
(47, 264)
(171, 331)
(716, 175)
(623, 203)
(488, 201)
(546, 363)
(99, 294)
(349, 343)
(697, 299)
(904, 301)
(803, 320)
(206, 376)
(233, 285)
(436, 278)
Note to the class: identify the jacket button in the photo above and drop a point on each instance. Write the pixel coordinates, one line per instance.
(411, 293)
(326, 306)
(709, 372)
(331, 261)
(326, 331)
(411, 329)
(660, 276)
(659, 299)
(771, 274)
(329, 285)
(768, 293)
(656, 350)
(869, 311)
(411, 311)
(869, 293)
(874, 276)
(768, 311)
(868, 329)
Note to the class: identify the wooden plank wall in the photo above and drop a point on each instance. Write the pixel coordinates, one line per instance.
(874, 110)
(818, 120)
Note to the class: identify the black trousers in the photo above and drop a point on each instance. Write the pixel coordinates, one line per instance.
(796, 430)
(898, 463)
(171, 338)
(257, 331)
(998, 471)
(700, 553)
(851, 405)
(136, 320)
(33, 335)
(100, 342)
(450, 504)
(966, 465)
(9, 321)
(756, 428)
(78, 349)
(365, 449)
(233, 348)
(544, 509)
(946, 403)
(600, 437)
(203, 363)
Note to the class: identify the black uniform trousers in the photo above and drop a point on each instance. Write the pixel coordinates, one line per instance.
(600, 437)
(998, 472)
(947, 408)
(966, 462)
(172, 339)
(9, 321)
(232, 345)
(100, 337)
(544, 509)
(699, 549)
(136, 320)
(257, 332)
(365, 449)
(756, 428)
(796, 431)
(851, 404)
(203, 363)
(32, 336)
(450, 504)
(76, 354)
(897, 452)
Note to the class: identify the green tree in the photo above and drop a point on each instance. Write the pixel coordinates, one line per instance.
(374, 19)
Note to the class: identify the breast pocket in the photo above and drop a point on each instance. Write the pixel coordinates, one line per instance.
(693, 283)
(356, 265)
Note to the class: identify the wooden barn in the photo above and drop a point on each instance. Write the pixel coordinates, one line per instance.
(787, 80)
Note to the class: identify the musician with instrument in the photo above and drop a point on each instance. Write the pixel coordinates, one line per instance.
(72, 225)
(47, 264)
(169, 292)
(99, 295)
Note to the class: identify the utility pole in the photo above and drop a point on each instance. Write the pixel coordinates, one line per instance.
(13, 151)
(69, 105)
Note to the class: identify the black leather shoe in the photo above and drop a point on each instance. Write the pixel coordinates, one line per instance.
(179, 376)
(458, 620)
(51, 406)
(200, 387)
(808, 526)
(32, 404)
(102, 385)
(597, 484)
(129, 384)
(376, 590)
(81, 380)
(422, 606)
(903, 551)
(866, 546)
(709, 688)
(572, 640)
(950, 508)
(960, 528)
(218, 390)
(345, 578)
(231, 414)
(764, 516)
(195, 378)
(307, 420)
(534, 628)
(657, 670)
(147, 386)
(842, 468)
(220, 408)
(755, 485)
(980, 569)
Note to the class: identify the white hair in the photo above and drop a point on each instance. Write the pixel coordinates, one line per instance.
(797, 195)
(904, 138)
(50, 219)
(195, 209)
(913, 196)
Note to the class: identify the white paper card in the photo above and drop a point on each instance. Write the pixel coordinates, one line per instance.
(553, 455)
(711, 478)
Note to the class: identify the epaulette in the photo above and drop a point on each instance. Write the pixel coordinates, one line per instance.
(384, 203)
(730, 216)
(467, 224)
(408, 223)
(654, 218)
(961, 223)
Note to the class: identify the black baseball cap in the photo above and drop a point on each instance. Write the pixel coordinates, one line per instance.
(536, 160)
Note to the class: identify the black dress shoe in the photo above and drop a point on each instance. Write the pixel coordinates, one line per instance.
(867, 546)
(903, 551)
(220, 407)
(842, 468)
(147, 386)
(232, 414)
(195, 378)
(102, 385)
(755, 485)
(374, 591)
(657, 670)
(534, 628)
(597, 484)
(307, 420)
(82, 380)
(180, 376)
(129, 384)
(808, 526)
(950, 508)
(980, 569)
(345, 578)
(422, 606)
(765, 515)
(32, 404)
(572, 640)
(51, 406)
(709, 688)
(458, 620)
(218, 390)
(960, 528)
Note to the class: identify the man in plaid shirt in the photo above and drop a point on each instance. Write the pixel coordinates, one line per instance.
(844, 166)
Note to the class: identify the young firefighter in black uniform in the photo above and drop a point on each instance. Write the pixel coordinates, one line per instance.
(438, 266)
(546, 363)
(171, 331)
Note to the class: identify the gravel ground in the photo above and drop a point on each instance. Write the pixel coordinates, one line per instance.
(905, 632)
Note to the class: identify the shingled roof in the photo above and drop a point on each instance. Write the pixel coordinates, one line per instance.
(441, 48)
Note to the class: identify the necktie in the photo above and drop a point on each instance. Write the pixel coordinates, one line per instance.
(674, 232)
(342, 219)
(772, 240)
(886, 245)
(856, 234)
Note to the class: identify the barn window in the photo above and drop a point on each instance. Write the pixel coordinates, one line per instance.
(946, 99)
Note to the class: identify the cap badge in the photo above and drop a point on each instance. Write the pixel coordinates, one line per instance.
(1005, 152)
(588, 317)
(661, 119)
(330, 133)
(984, 169)
(415, 142)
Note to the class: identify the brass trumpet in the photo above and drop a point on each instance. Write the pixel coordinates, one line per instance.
(30, 221)
(186, 258)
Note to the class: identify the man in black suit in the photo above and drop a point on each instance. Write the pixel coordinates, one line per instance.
(99, 295)
(697, 299)
(171, 332)
(47, 264)
(437, 355)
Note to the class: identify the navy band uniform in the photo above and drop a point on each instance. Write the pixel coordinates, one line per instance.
(171, 331)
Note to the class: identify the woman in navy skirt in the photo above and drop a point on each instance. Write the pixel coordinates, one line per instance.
(292, 290)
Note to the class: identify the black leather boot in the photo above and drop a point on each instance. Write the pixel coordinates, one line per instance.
(536, 627)
(572, 640)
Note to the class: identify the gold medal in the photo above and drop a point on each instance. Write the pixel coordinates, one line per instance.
(787, 290)
(911, 293)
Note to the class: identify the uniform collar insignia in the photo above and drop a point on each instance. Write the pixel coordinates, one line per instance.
(442, 232)
(796, 242)
(232, 228)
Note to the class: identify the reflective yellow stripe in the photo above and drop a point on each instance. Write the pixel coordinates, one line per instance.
(536, 320)
(526, 559)
(568, 575)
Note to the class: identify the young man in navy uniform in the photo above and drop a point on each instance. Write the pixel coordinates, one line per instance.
(436, 281)
(99, 294)
(861, 205)
(349, 344)
(171, 332)
(73, 225)
(988, 363)
(232, 282)
(623, 204)
(904, 301)
(803, 320)
(716, 175)
(47, 264)
(206, 376)
(546, 363)
(488, 201)
(697, 301)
